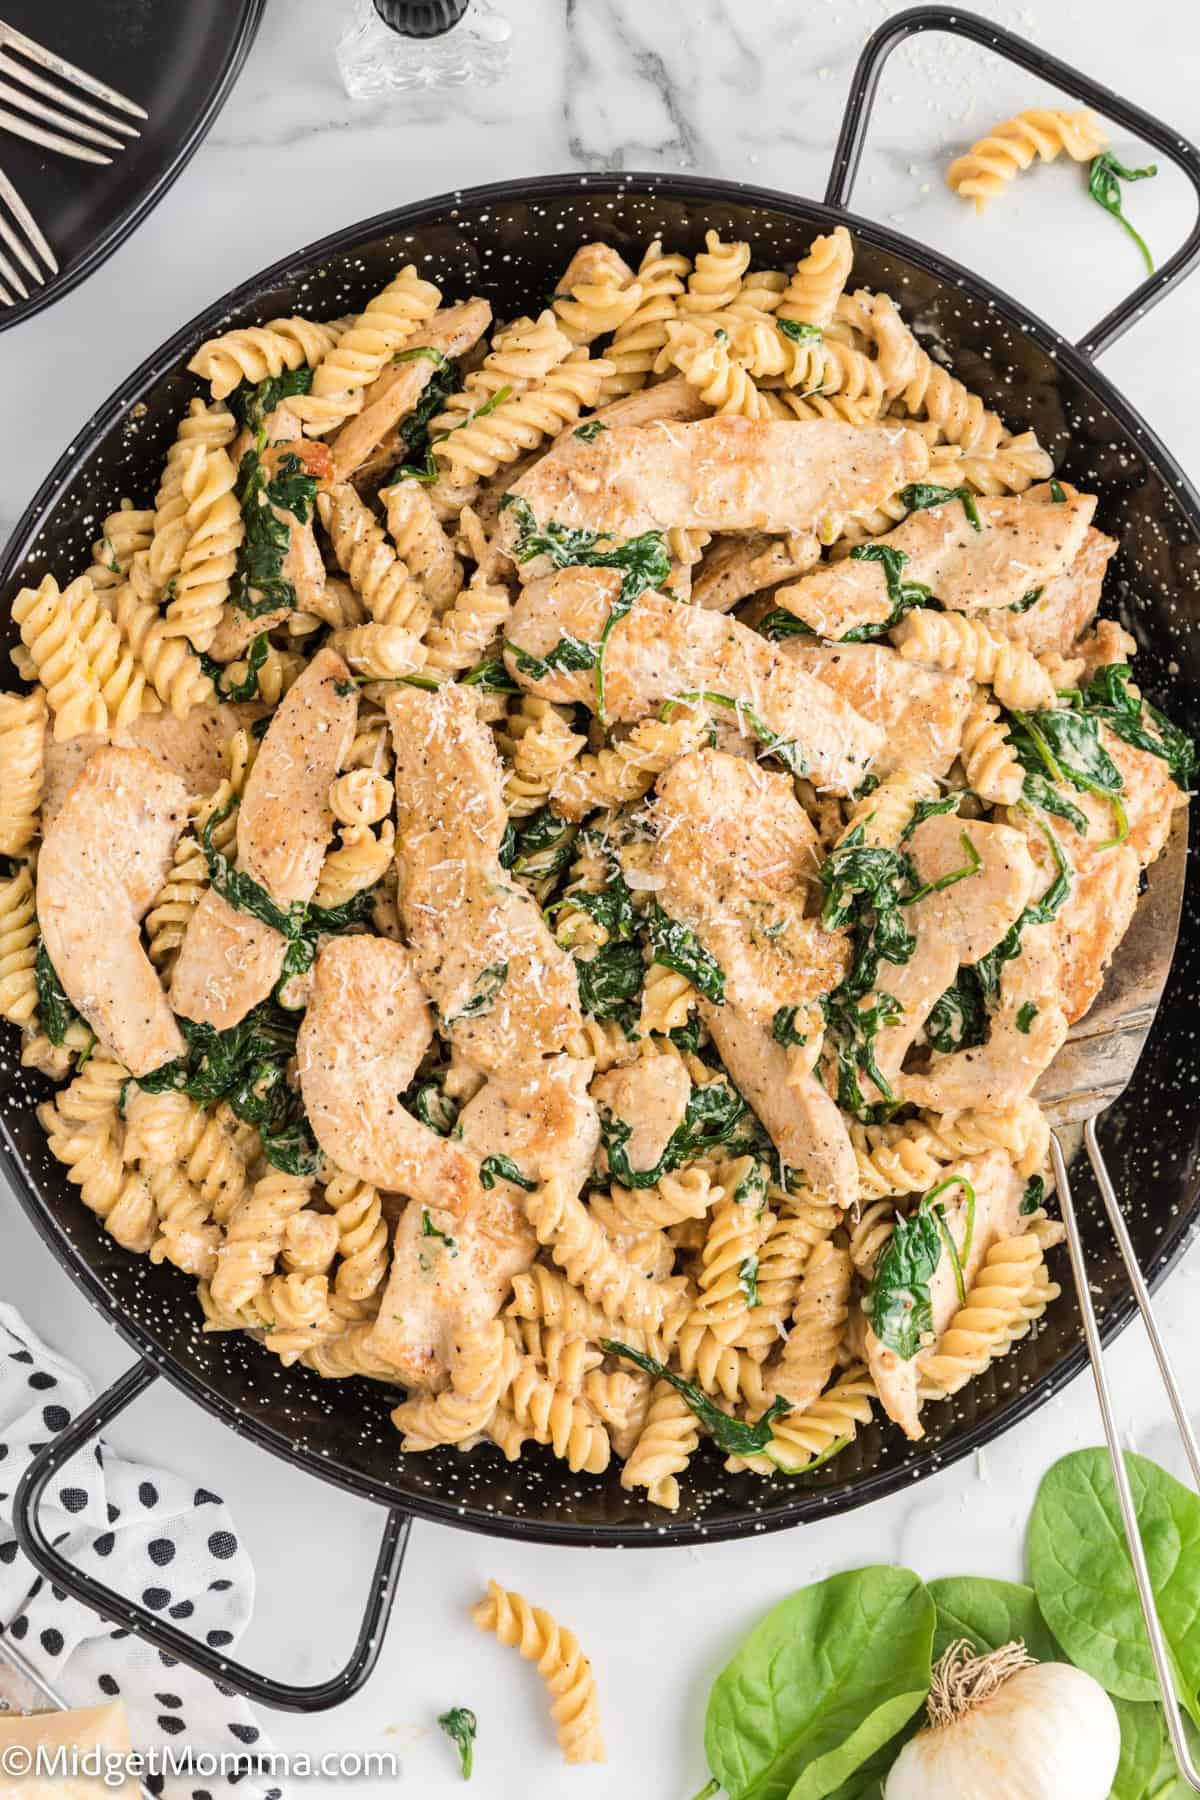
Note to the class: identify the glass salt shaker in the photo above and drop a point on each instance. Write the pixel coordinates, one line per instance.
(396, 45)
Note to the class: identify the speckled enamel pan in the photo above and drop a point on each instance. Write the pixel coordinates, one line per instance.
(510, 242)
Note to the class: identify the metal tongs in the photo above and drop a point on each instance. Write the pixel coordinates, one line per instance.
(1092, 1070)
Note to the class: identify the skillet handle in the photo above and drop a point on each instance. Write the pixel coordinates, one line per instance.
(856, 119)
(163, 1635)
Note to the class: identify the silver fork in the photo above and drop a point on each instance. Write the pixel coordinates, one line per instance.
(81, 126)
(19, 230)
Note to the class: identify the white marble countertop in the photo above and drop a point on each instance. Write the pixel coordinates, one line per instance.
(750, 90)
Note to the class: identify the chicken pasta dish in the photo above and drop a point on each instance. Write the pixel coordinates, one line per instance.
(548, 856)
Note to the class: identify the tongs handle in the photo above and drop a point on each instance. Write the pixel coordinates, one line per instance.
(1091, 1331)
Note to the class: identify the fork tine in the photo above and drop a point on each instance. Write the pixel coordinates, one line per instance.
(58, 65)
(63, 96)
(6, 298)
(11, 278)
(53, 140)
(54, 116)
(29, 224)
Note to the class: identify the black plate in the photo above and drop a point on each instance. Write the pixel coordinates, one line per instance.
(510, 243)
(178, 59)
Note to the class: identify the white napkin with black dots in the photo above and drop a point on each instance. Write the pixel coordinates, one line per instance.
(145, 1533)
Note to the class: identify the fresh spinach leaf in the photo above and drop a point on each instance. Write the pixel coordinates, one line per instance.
(1107, 699)
(56, 1015)
(1034, 1197)
(252, 404)
(779, 623)
(898, 1304)
(589, 431)
(820, 1686)
(1066, 745)
(800, 331)
(1026, 1014)
(1104, 186)
(731, 1436)
(460, 1726)
(919, 495)
(1143, 1739)
(259, 584)
(491, 677)
(783, 1027)
(568, 655)
(786, 749)
(713, 1115)
(931, 809)
(610, 983)
(1084, 1581)
(643, 561)
(989, 1614)
(483, 994)
(903, 595)
(502, 1168)
(247, 687)
(677, 947)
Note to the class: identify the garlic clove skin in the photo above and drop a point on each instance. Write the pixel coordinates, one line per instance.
(1049, 1733)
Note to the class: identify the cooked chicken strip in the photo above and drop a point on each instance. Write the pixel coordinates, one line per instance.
(194, 748)
(736, 567)
(953, 925)
(651, 1096)
(367, 1026)
(721, 474)
(674, 402)
(1067, 603)
(392, 395)
(922, 711)
(229, 960)
(998, 1190)
(542, 1119)
(1020, 546)
(506, 992)
(801, 1120)
(738, 856)
(662, 649)
(102, 862)
(1026, 1031)
(302, 564)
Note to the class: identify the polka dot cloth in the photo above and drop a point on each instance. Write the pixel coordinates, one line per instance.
(144, 1533)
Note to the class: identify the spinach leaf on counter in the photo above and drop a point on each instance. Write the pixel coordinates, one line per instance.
(820, 1686)
(460, 1726)
(1104, 186)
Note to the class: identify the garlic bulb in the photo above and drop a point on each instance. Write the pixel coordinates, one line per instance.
(1003, 1727)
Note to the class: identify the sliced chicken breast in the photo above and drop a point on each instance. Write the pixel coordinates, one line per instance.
(663, 650)
(802, 1121)
(651, 1096)
(738, 566)
(720, 474)
(103, 860)
(193, 748)
(1066, 606)
(1020, 545)
(229, 959)
(540, 1119)
(506, 992)
(367, 1026)
(738, 856)
(922, 711)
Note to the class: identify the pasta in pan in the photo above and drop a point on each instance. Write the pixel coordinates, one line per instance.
(663, 799)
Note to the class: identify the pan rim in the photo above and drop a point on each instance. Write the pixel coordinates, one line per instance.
(811, 1504)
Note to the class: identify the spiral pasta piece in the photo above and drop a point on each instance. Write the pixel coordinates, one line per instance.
(724, 1370)
(537, 744)
(716, 279)
(784, 1258)
(664, 1448)
(594, 309)
(628, 768)
(555, 1416)
(18, 948)
(895, 1159)
(482, 444)
(800, 1438)
(360, 797)
(254, 353)
(362, 1235)
(50, 631)
(123, 683)
(254, 1236)
(962, 645)
(989, 760)
(729, 1267)
(992, 162)
(476, 618)
(560, 1662)
(187, 1235)
(721, 382)
(360, 861)
(22, 759)
(481, 1369)
(215, 531)
(689, 1193)
(125, 532)
(175, 902)
(1014, 465)
(870, 1228)
(91, 1155)
(885, 815)
(172, 668)
(565, 1356)
(602, 1042)
(201, 428)
(581, 1248)
(421, 542)
(991, 1319)
(376, 573)
(299, 1315)
(350, 366)
(817, 1324)
(816, 284)
(960, 416)
(1021, 1129)
(638, 340)
(667, 1000)
(521, 356)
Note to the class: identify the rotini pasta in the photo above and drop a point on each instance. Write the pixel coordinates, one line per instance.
(962, 645)
(22, 747)
(255, 352)
(992, 162)
(560, 1662)
(349, 366)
